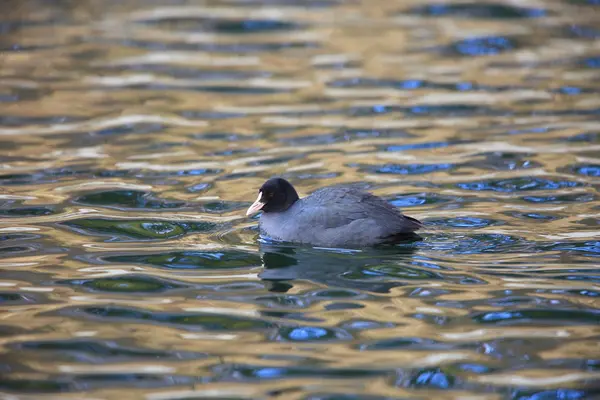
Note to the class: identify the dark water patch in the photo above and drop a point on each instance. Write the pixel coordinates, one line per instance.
(256, 47)
(560, 198)
(448, 110)
(431, 319)
(10, 24)
(552, 394)
(127, 199)
(292, 316)
(591, 62)
(17, 94)
(407, 169)
(283, 301)
(415, 84)
(592, 170)
(501, 161)
(8, 331)
(393, 271)
(365, 325)
(355, 134)
(424, 146)
(590, 222)
(419, 199)
(8, 97)
(131, 128)
(532, 216)
(53, 385)
(500, 299)
(210, 115)
(310, 334)
(337, 65)
(204, 321)
(311, 176)
(82, 382)
(46, 176)
(193, 259)
(482, 46)
(472, 368)
(19, 179)
(343, 306)
(576, 292)
(241, 372)
(221, 207)
(237, 48)
(451, 110)
(464, 222)
(91, 351)
(585, 2)
(361, 82)
(217, 89)
(234, 152)
(529, 130)
(28, 211)
(405, 343)
(148, 174)
(125, 284)
(431, 378)
(224, 136)
(581, 32)
(126, 230)
(9, 145)
(539, 316)
(478, 243)
(571, 90)
(187, 172)
(427, 292)
(519, 184)
(226, 26)
(13, 250)
(478, 10)
(337, 294)
(344, 136)
(224, 89)
(593, 112)
(584, 276)
(14, 298)
(277, 160)
(135, 380)
(589, 248)
(586, 137)
(19, 121)
(195, 73)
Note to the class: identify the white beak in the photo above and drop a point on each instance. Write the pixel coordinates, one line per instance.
(256, 206)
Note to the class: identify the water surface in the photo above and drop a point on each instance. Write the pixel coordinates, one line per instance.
(134, 134)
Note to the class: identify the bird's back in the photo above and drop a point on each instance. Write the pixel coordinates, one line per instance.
(340, 216)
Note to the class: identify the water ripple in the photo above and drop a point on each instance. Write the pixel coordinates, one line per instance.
(135, 134)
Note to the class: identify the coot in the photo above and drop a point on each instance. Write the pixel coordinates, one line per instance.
(330, 217)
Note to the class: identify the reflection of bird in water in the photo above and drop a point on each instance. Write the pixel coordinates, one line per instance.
(340, 268)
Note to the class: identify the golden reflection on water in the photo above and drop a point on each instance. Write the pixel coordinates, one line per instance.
(150, 119)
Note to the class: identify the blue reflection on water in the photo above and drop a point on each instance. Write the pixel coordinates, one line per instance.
(483, 46)
(307, 333)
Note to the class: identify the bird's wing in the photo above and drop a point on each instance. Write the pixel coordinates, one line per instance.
(337, 207)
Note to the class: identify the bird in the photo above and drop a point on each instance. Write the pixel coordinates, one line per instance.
(335, 216)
